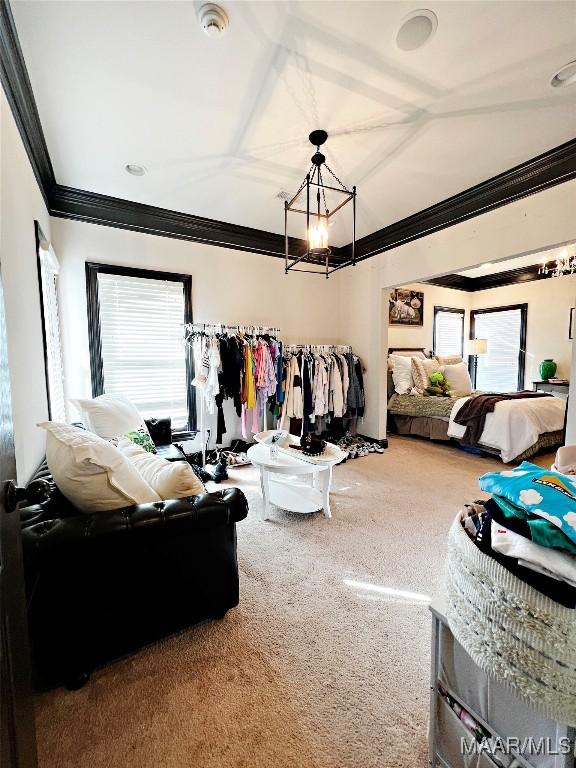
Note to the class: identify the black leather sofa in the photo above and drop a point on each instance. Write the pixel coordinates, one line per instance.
(100, 586)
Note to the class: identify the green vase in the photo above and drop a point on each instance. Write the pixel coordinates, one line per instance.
(547, 369)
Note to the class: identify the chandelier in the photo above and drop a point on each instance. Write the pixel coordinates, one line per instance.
(319, 202)
(565, 265)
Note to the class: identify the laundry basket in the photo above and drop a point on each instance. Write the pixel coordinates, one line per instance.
(522, 638)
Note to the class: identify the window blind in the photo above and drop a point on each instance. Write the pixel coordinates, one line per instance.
(498, 370)
(448, 332)
(49, 269)
(143, 353)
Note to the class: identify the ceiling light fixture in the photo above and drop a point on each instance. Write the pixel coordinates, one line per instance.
(317, 212)
(213, 20)
(417, 28)
(565, 76)
(134, 169)
(565, 265)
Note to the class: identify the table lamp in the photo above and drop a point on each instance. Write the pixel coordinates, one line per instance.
(476, 347)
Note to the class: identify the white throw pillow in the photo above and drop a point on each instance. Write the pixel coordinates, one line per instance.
(109, 416)
(402, 374)
(458, 378)
(170, 479)
(91, 472)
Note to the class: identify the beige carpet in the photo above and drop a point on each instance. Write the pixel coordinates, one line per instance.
(315, 668)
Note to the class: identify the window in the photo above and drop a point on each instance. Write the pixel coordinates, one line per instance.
(448, 331)
(504, 328)
(136, 324)
(48, 269)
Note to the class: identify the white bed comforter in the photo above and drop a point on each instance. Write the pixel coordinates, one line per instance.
(515, 425)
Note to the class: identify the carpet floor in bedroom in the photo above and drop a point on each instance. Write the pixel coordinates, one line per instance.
(322, 665)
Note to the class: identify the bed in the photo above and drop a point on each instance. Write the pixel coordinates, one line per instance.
(515, 431)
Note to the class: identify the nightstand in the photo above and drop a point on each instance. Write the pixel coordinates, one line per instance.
(558, 390)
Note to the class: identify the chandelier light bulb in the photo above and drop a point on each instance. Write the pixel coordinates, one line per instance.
(318, 237)
(565, 264)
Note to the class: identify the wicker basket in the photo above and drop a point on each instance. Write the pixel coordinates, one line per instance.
(522, 638)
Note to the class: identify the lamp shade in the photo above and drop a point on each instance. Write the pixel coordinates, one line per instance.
(476, 347)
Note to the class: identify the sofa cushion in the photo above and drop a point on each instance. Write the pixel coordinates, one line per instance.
(91, 472)
(110, 416)
(170, 479)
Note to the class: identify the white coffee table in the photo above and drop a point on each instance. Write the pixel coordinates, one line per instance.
(288, 494)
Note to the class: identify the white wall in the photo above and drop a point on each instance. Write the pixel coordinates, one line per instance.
(21, 203)
(228, 287)
(549, 303)
(532, 224)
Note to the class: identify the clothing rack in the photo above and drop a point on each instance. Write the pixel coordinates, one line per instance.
(213, 329)
(247, 330)
(318, 347)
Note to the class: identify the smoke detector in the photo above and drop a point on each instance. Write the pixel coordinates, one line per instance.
(213, 20)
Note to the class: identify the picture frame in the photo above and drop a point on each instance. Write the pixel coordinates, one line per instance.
(572, 326)
(406, 307)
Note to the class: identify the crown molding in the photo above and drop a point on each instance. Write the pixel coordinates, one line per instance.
(483, 283)
(16, 84)
(69, 203)
(553, 167)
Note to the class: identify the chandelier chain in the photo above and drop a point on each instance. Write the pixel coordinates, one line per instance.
(336, 177)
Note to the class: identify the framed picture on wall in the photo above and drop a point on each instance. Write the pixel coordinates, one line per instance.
(572, 326)
(406, 307)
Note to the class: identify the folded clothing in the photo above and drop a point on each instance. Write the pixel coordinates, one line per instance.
(558, 590)
(550, 562)
(531, 526)
(545, 493)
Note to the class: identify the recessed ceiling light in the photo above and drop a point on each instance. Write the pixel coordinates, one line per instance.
(416, 29)
(134, 169)
(566, 75)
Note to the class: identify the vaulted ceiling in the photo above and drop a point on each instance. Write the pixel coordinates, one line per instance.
(221, 125)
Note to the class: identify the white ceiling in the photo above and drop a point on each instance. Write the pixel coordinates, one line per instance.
(222, 125)
(529, 260)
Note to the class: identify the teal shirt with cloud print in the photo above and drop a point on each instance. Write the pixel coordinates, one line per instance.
(542, 492)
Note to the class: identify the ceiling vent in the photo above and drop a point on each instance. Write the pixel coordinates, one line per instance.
(213, 20)
(283, 195)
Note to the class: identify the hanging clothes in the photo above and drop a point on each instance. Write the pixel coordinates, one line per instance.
(329, 384)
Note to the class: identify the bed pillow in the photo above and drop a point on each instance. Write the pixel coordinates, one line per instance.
(404, 353)
(449, 359)
(170, 479)
(91, 472)
(110, 416)
(402, 374)
(458, 378)
(421, 372)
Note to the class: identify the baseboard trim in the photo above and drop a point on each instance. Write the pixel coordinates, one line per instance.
(382, 443)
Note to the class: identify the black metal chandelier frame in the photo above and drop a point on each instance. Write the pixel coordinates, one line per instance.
(314, 183)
